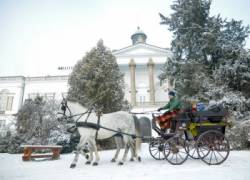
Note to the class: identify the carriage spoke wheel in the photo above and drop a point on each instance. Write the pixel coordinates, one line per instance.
(191, 149)
(156, 148)
(175, 150)
(213, 147)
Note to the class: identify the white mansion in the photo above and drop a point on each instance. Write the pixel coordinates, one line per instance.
(140, 62)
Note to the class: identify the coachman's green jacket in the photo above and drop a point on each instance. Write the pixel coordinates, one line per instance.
(173, 104)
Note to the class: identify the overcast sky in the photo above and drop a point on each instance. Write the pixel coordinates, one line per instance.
(37, 36)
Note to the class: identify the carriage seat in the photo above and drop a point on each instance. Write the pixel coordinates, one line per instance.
(208, 116)
(182, 117)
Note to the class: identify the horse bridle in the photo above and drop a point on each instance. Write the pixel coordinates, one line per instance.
(65, 107)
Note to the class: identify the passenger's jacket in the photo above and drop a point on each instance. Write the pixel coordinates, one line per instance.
(173, 105)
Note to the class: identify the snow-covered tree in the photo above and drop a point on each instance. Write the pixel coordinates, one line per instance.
(36, 120)
(201, 45)
(97, 81)
(235, 73)
(188, 24)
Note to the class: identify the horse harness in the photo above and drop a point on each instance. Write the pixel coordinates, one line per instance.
(87, 124)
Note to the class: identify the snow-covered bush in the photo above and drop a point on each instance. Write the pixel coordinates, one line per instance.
(37, 122)
(239, 135)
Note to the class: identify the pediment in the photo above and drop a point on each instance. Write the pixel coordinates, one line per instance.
(141, 50)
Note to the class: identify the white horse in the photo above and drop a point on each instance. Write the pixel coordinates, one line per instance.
(120, 121)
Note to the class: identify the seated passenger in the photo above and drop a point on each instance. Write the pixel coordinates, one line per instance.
(173, 107)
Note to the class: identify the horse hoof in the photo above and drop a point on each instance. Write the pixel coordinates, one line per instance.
(88, 162)
(139, 159)
(95, 164)
(112, 160)
(131, 159)
(72, 165)
(120, 163)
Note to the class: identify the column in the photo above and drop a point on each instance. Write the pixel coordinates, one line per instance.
(132, 66)
(21, 97)
(151, 81)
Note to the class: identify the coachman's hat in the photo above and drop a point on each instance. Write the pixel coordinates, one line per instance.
(171, 93)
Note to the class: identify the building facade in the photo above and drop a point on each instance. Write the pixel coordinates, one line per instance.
(140, 62)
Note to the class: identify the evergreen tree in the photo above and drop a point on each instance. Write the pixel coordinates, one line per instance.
(201, 45)
(97, 81)
(188, 24)
(235, 73)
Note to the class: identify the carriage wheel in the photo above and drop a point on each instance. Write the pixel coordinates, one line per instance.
(191, 149)
(175, 149)
(156, 148)
(213, 147)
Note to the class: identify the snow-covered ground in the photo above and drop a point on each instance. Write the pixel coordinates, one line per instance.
(236, 167)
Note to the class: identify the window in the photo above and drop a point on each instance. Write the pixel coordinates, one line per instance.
(6, 103)
(9, 103)
(6, 100)
(3, 101)
(142, 99)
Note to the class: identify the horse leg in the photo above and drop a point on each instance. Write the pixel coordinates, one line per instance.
(127, 146)
(73, 164)
(78, 150)
(86, 150)
(118, 142)
(90, 159)
(97, 158)
(90, 147)
(135, 150)
(132, 150)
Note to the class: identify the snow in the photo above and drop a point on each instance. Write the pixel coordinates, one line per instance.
(236, 167)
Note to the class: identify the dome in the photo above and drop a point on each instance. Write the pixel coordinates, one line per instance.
(138, 37)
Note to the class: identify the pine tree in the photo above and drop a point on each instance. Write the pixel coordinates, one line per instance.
(97, 81)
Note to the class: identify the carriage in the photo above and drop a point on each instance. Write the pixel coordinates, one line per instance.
(199, 135)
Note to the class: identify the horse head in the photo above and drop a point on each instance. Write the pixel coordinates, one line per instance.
(71, 110)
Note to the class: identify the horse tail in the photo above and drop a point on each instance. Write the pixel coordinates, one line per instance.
(138, 140)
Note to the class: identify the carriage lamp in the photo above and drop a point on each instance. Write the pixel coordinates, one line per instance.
(183, 124)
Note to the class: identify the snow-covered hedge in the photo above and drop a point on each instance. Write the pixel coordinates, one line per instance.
(239, 135)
